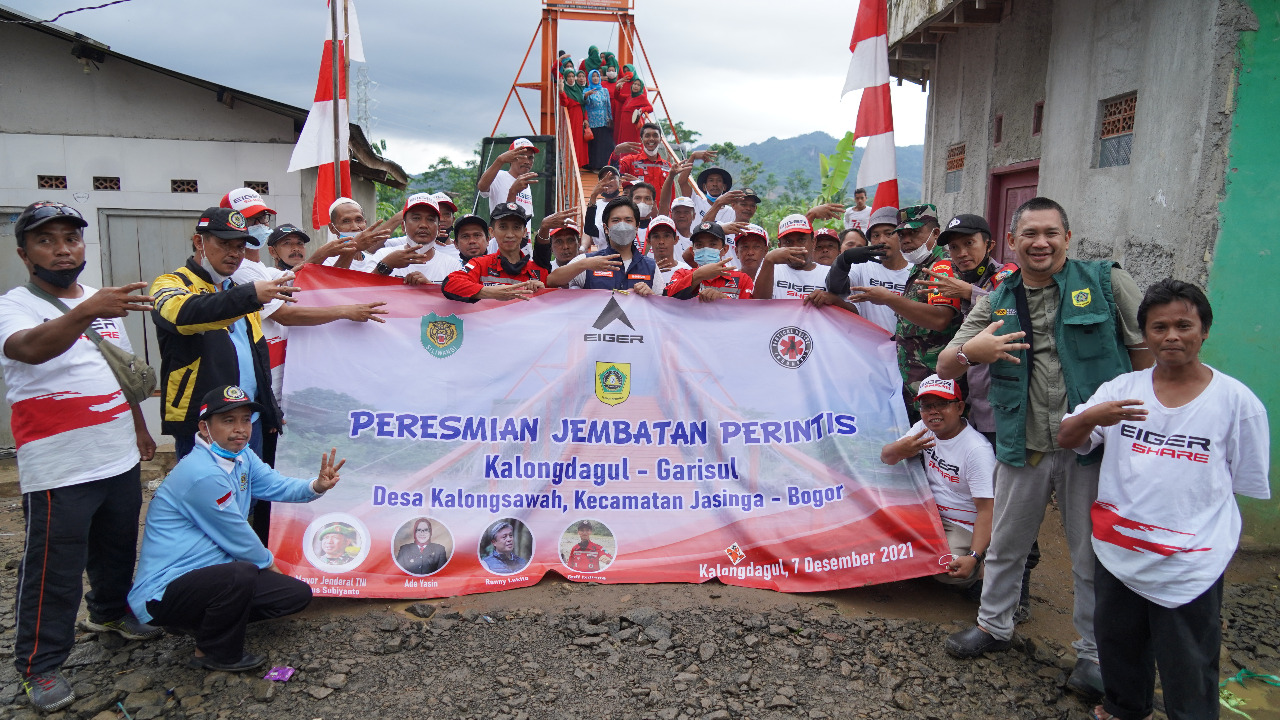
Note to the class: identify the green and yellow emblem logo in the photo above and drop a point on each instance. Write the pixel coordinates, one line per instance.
(441, 336)
(613, 382)
(1080, 298)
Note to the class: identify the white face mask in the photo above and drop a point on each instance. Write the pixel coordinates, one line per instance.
(651, 153)
(622, 234)
(644, 208)
(919, 255)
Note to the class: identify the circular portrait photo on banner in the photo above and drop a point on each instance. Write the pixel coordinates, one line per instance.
(506, 547)
(588, 546)
(422, 546)
(336, 543)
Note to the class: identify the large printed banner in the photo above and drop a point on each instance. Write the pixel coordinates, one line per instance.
(604, 436)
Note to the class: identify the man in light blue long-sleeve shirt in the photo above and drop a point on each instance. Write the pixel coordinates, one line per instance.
(202, 568)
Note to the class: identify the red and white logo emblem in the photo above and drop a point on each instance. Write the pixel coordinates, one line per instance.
(735, 554)
(791, 346)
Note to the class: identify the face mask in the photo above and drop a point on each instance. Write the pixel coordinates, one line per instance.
(920, 254)
(611, 75)
(260, 234)
(225, 453)
(218, 278)
(644, 209)
(706, 256)
(651, 153)
(58, 278)
(622, 234)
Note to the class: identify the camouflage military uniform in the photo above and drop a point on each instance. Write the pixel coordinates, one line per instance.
(918, 347)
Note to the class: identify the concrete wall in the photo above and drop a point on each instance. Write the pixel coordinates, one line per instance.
(1245, 337)
(47, 91)
(1157, 215)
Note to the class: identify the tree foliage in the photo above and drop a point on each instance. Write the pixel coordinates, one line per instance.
(444, 175)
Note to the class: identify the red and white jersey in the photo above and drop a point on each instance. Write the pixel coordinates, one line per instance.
(1165, 522)
(959, 470)
(70, 420)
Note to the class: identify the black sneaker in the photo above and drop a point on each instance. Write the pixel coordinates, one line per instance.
(1086, 680)
(127, 627)
(973, 642)
(247, 662)
(48, 691)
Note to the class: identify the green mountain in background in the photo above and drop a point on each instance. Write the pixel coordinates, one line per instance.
(783, 157)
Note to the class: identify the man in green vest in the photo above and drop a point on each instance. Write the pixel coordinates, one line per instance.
(1052, 332)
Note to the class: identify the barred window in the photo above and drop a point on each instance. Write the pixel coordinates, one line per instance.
(998, 131)
(259, 186)
(106, 183)
(184, 186)
(51, 182)
(955, 167)
(1116, 135)
(1037, 118)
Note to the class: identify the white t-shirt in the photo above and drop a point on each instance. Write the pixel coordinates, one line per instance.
(871, 274)
(857, 218)
(449, 249)
(276, 335)
(792, 284)
(70, 420)
(499, 188)
(1165, 523)
(435, 270)
(959, 470)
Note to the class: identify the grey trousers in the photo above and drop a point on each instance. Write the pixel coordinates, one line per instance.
(1022, 493)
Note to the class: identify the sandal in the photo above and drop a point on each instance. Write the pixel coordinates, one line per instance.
(1099, 714)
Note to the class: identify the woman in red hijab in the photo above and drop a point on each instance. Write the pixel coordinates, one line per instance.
(627, 124)
(571, 99)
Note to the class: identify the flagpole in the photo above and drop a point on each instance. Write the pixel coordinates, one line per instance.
(338, 72)
(346, 49)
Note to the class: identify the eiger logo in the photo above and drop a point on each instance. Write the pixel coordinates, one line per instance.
(954, 222)
(612, 312)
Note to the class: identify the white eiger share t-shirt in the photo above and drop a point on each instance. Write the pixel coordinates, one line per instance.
(499, 188)
(1165, 522)
(873, 274)
(792, 284)
(70, 420)
(959, 470)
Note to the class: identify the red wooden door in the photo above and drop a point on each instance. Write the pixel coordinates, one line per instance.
(1008, 190)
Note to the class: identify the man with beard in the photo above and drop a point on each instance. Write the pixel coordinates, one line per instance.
(789, 273)
(78, 461)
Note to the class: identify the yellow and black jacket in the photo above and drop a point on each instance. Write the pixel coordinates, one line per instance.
(193, 318)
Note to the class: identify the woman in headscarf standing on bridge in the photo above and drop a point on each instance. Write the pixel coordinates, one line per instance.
(600, 120)
(634, 106)
(592, 61)
(571, 99)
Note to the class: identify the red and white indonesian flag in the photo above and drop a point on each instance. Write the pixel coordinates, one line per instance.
(315, 146)
(869, 72)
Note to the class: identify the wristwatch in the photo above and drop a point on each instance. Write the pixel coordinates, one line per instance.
(982, 557)
(964, 358)
(382, 269)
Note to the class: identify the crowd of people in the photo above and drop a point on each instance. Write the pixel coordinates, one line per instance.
(605, 104)
(1048, 376)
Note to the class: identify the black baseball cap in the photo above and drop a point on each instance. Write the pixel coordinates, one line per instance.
(964, 225)
(283, 231)
(750, 194)
(707, 228)
(45, 211)
(225, 223)
(470, 219)
(508, 210)
(606, 170)
(702, 177)
(224, 398)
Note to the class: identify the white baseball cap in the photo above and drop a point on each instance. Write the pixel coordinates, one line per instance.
(794, 224)
(442, 200)
(682, 202)
(520, 143)
(421, 199)
(246, 202)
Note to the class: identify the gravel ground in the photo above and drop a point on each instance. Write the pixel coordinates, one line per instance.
(570, 650)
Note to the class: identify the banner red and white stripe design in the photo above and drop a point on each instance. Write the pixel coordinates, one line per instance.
(315, 146)
(869, 72)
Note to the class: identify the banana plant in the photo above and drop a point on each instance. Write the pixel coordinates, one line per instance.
(834, 169)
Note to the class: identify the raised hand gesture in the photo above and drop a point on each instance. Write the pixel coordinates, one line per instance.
(364, 312)
(329, 476)
(114, 302)
(987, 347)
(278, 289)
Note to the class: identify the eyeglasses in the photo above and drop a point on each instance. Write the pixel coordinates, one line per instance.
(46, 210)
(262, 218)
(935, 405)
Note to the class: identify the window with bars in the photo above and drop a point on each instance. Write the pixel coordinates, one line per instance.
(1037, 118)
(51, 182)
(106, 183)
(955, 167)
(1116, 135)
(259, 186)
(184, 186)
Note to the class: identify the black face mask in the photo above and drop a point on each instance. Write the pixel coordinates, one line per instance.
(282, 265)
(58, 278)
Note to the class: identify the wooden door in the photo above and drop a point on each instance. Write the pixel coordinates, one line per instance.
(1008, 191)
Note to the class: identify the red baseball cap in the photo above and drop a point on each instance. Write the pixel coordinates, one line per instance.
(421, 199)
(520, 143)
(794, 224)
(246, 202)
(945, 389)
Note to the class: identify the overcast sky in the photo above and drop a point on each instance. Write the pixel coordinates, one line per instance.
(740, 72)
